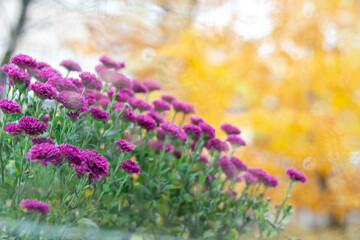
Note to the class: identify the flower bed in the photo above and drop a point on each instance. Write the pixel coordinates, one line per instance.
(105, 156)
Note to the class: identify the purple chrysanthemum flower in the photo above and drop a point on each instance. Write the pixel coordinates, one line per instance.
(236, 140)
(70, 153)
(44, 74)
(207, 130)
(159, 145)
(12, 128)
(99, 68)
(41, 140)
(45, 153)
(90, 81)
(192, 131)
(229, 129)
(71, 65)
(23, 61)
(296, 175)
(9, 106)
(161, 105)
(271, 181)
(228, 167)
(249, 178)
(111, 63)
(196, 120)
(156, 116)
(110, 93)
(42, 65)
(44, 90)
(80, 170)
(120, 81)
(90, 97)
(129, 115)
(204, 159)
(264, 177)
(32, 126)
(95, 163)
(240, 166)
(118, 106)
(130, 166)
(183, 107)
(124, 95)
(35, 205)
(71, 100)
(217, 144)
(107, 75)
(102, 100)
(45, 118)
(146, 122)
(99, 113)
(73, 115)
(168, 98)
(140, 104)
(16, 74)
(78, 84)
(125, 146)
(139, 87)
(63, 84)
(172, 129)
(152, 85)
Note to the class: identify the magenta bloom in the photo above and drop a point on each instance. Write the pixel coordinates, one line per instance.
(71, 65)
(110, 63)
(240, 166)
(177, 153)
(156, 116)
(196, 120)
(110, 93)
(152, 85)
(130, 166)
(183, 107)
(161, 105)
(43, 90)
(249, 178)
(139, 87)
(70, 153)
(45, 153)
(41, 140)
(120, 81)
(44, 74)
(95, 163)
(32, 126)
(71, 100)
(140, 104)
(73, 115)
(63, 84)
(16, 74)
(217, 144)
(271, 181)
(207, 130)
(228, 167)
(264, 177)
(229, 129)
(23, 61)
(124, 145)
(102, 100)
(9, 106)
(45, 118)
(106, 74)
(129, 116)
(124, 95)
(78, 84)
(146, 122)
(98, 113)
(296, 175)
(35, 205)
(168, 98)
(90, 81)
(90, 97)
(172, 129)
(235, 140)
(192, 131)
(160, 134)
(12, 128)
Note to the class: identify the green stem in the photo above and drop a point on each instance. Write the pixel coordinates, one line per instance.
(21, 169)
(278, 211)
(53, 118)
(88, 134)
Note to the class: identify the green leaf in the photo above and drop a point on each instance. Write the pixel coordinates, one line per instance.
(106, 187)
(202, 178)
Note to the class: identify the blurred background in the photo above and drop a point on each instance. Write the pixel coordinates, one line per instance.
(286, 72)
